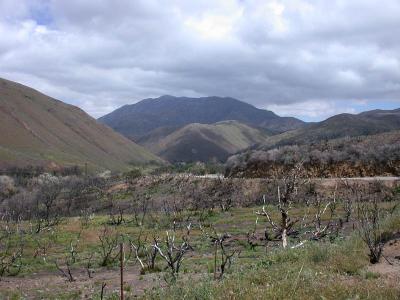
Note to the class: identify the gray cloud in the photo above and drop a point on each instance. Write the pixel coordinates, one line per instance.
(305, 58)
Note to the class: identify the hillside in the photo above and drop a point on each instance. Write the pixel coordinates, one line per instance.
(361, 156)
(202, 142)
(39, 130)
(342, 125)
(136, 120)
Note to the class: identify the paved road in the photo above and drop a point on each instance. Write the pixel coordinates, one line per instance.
(377, 178)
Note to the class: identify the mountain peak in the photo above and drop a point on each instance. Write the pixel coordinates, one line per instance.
(140, 118)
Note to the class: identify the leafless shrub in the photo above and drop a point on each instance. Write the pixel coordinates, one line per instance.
(219, 241)
(287, 191)
(85, 217)
(7, 187)
(109, 240)
(88, 265)
(11, 249)
(43, 243)
(172, 252)
(369, 220)
(252, 239)
(321, 206)
(145, 252)
(46, 211)
(116, 210)
(65, 271)
(139, 208)
(69, 259)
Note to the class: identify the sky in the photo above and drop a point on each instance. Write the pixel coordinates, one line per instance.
(308, 59)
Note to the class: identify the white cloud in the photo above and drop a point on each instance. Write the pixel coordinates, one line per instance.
(280, 54)
(312, 110)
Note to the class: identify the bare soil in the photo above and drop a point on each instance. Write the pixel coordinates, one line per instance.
(40, 285)
(389, 265)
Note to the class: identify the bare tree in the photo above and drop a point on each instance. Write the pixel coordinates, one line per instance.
(173, 252)
(70, 258)
(116, 210)
(286, 196)
(252, 238)
(320, 205)
(145, 253)
(369, 218)
(10, 255)
(139, 208)
(219, 241)
(46, 212)
(109, 240)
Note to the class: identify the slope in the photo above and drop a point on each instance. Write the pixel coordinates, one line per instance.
(342, 125)
(38, 130)
(204, 142)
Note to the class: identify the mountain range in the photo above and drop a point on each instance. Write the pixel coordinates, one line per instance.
(39, 130)
(342, 125)
(137, 120)
(196, 129)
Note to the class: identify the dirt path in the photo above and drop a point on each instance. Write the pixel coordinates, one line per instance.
(43, 284)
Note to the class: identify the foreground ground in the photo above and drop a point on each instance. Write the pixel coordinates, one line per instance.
(333, 265)
(330, 269)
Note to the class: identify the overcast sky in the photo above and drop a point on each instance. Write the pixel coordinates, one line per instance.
(309, 59)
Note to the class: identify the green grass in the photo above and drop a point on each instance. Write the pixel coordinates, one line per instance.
(319, 270)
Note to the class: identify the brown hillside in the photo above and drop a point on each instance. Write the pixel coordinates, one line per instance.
(203, 142)
(39, 130)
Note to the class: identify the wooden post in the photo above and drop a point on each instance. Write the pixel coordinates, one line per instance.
(121, 258)
(215, 260)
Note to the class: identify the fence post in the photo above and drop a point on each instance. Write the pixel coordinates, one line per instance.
(121, 258)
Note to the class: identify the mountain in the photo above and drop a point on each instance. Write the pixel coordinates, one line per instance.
(342, 125)
(202, 142)
(136, 120)
(39, 130)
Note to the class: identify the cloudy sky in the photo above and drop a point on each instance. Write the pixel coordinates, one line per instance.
(309, 59)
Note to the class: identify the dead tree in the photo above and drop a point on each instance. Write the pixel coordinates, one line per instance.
(321, 207)
(252, 239)
(65, 271)
(172, 252)
(88, 265)
(140, 208)
(46, 213)
(44, 241)
(286, 196)
(116, 211)
(10, 256)
(69, 259)
(219, 241)
(353, 195)
(109, 240)
(144, 253)
(369, 218)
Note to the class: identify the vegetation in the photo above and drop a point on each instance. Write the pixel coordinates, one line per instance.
(289, 237)
(196, 168)
(375, 155)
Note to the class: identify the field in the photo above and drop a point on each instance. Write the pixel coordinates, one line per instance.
(221, 229)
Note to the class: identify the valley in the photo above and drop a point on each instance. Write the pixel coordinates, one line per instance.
(237, 199)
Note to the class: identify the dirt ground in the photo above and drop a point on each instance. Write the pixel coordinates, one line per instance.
(389, 266)
(39, 285)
